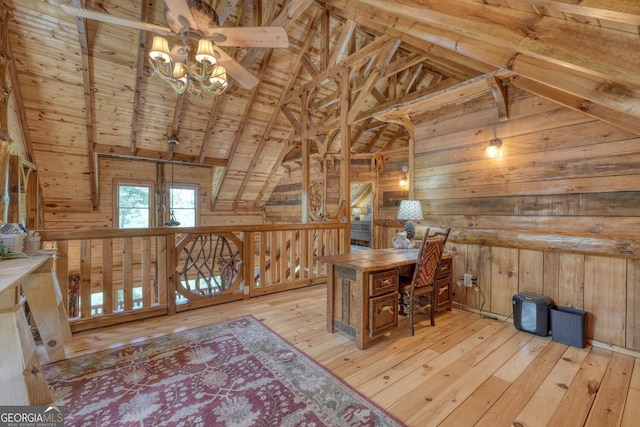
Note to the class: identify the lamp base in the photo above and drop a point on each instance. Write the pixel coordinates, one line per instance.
(410, 229)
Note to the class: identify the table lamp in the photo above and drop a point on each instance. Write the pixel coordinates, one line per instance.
(410, 210)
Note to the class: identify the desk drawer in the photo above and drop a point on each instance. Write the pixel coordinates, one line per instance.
(444, 268)
(383, 282)
(383, 314)
(443, 297)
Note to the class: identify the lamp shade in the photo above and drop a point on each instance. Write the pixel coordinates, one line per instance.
(410, 210)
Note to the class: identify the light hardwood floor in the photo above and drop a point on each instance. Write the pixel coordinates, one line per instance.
(465, 371)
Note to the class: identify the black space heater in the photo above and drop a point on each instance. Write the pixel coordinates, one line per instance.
(531, 313)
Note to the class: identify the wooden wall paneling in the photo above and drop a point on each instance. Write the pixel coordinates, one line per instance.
(633, 307)
(504, 279)
(474, 298)
(460, 266)
(531, 271)
(550, 275)
(484, 277)
(571, 281)
(605, 298)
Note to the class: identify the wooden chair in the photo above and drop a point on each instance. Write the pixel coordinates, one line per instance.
(419, 293)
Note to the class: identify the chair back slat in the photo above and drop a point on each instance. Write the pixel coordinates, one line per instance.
(427, 262)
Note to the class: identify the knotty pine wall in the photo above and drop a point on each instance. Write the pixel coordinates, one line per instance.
(557, 214)
(561, 174)
(77, 214)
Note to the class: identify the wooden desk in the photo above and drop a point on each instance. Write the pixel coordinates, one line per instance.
(362, 290)
(21, 371)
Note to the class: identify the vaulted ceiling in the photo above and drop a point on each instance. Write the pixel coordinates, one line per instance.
(85, 89)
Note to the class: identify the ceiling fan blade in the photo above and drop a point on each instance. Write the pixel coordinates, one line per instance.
(174, 9)
(110, 19)
(224, 10)
(249, 36)
(237, 71)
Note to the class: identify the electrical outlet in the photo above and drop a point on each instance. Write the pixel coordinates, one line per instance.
(467, 279)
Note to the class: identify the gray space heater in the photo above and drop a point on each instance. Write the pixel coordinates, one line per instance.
(531, 313)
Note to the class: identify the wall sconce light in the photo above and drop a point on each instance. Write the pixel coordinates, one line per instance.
(493, 150)
(404, 180)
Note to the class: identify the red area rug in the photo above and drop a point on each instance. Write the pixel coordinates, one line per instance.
(236, 373)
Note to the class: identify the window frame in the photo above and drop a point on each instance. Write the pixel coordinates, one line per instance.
(180, 186)
(117, 183)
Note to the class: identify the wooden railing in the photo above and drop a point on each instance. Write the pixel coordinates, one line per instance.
(112, 276)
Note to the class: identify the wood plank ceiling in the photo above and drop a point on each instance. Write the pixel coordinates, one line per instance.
(84, 89)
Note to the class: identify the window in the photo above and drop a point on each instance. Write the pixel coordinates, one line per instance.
(183, 205)
(134, 206)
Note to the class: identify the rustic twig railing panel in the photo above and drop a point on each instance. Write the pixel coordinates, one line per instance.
(112, 276)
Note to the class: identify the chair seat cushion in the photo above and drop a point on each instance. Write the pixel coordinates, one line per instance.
(406, 290)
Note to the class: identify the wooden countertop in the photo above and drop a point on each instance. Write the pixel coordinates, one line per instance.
(12, 270)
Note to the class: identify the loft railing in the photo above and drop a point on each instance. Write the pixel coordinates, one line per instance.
(111, 276)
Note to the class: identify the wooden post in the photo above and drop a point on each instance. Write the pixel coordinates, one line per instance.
(345, 149)
(4, 94)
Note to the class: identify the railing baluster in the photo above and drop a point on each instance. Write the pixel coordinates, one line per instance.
(85, 278)
(108, 296)
(127, 273)
(266, 258)
(145, 266)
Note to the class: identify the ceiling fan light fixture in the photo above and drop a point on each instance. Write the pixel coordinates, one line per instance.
(160, 50)
(218, 81)
(196, 73)
(205, 52)
(180, 72)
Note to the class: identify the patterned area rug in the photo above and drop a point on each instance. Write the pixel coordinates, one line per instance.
(236, 373)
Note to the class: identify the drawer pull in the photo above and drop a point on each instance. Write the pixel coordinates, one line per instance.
(442, 290)
(384, 308)
(386, 282)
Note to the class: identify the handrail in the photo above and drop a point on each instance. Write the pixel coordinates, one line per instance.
(109, 276)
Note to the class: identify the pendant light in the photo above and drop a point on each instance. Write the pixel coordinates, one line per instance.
(172, 222)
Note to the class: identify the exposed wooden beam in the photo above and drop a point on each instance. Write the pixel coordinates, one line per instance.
(288, 15)
(363, 54)
(407, 99)
(142, 39)
(599, 112)
(600, 66)
(382, 61)
(242, 129)
(156, 156)
(623, 11)
(341, 46)
(88, 108)
(271, 181)
(500, 96)
(325, 40)
(295, 70)
(5, 59)
(461, 92)
(224, 9)
(211, 122)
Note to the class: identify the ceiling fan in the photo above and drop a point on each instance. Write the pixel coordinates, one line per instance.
(196, 24)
